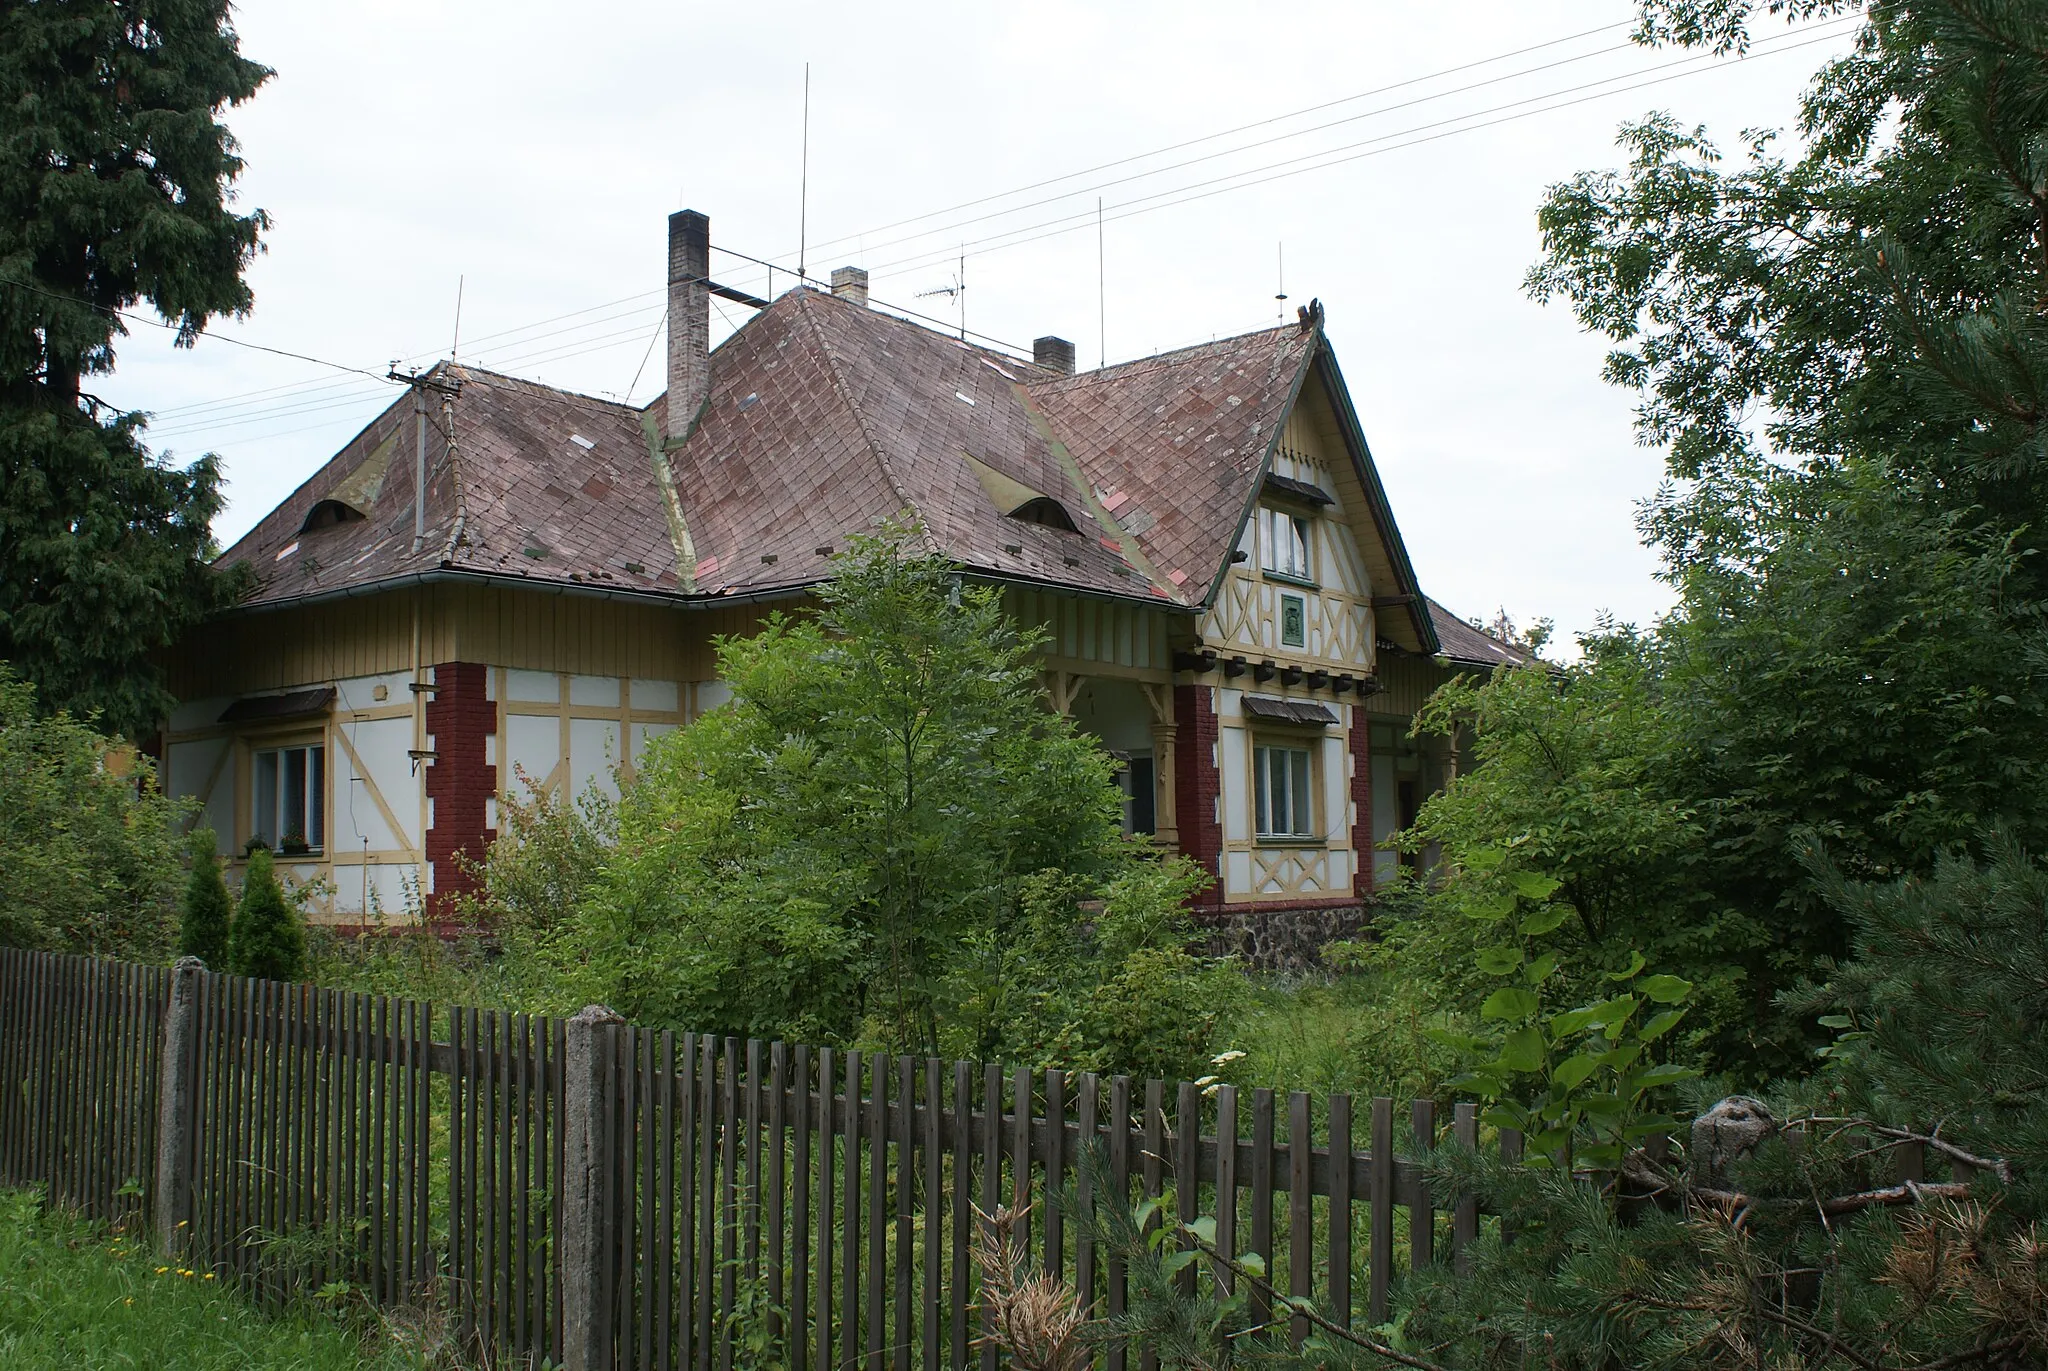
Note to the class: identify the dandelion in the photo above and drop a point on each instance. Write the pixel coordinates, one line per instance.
(162, 1270)
(129, 1300)
(209, 1275)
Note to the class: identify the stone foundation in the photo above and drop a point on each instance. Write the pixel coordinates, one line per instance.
(1279, 939)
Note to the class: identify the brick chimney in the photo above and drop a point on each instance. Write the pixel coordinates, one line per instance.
(689, 319)
(1056, 354)
(851, 283)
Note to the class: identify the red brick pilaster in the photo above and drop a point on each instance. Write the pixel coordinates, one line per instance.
(1361, 798)
(460, 782)
(1196, 784)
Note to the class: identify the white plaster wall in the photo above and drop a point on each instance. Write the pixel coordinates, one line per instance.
(594, 754)
(352, 813)
(655, 695)
(533, 687)
(599, 691)
(1237, 873)
(197, 714)
(532, 744)
(1235, 784)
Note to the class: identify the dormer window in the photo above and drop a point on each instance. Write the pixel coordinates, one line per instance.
(1284, 544)
(328, 513)
(1047, 512)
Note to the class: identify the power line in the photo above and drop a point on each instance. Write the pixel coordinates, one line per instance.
(1226, 133)
(111, 312)
(1082, 218)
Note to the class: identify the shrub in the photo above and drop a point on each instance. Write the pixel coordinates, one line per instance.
(89, 847)
(268, 939)
(207, 910)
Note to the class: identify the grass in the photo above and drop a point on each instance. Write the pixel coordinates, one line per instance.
(1358, 1032)
(76, 1295)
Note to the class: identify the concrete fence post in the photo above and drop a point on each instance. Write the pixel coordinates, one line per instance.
(177, 1078)
(588, 1236)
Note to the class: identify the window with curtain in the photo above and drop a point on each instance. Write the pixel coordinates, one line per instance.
(1283, 543)
(288, 797)
(1281, 788)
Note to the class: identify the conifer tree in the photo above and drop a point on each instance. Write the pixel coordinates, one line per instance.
(268, 940)
(207, 910)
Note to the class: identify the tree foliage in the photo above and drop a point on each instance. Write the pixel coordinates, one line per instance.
(207, 911)
(885, 837)
(115, 177)
(89, 847)
(268, 938)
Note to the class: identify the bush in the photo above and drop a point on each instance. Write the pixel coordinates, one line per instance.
(268, 939)
(207, 912)
(89, 847)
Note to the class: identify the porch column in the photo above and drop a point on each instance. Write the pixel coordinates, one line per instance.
(1165, 739)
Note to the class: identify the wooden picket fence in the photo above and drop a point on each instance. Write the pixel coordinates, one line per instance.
(598, 1195)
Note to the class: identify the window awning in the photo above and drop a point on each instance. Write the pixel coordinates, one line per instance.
(1289, 711)
(1299, 490)
(290, 705)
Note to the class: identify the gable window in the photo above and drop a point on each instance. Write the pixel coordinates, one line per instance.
(1281, 790)
(1293, 621)
(288, 798)
(1283, 543)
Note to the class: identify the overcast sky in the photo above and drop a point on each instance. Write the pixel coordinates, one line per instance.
(532, 153)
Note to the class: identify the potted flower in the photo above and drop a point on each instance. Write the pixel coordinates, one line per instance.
(294, 844)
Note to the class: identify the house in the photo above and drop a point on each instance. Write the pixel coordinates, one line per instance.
(499, 583)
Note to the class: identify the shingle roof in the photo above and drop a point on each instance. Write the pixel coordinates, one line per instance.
(823, 418)
(1461, 642)
(531, 501)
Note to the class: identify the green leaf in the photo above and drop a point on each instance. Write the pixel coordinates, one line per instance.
(1610, 1013)
(1546, 919)
(1511, 1003)
(1665, 989)
(1204, 1229)
(1661, 1024)
(1484, 858)
(1534, 885)
(1144, 1212)
(1666, 1073)
(1254, 1263)
(1572, 1072)
(1837, 1021)
(1635, 964)
(1464, 1042)
(1499, 961)
(1524, 1050)
(1489, 908)
(1174, 1262)
(1569, 1023)
(1540, 969)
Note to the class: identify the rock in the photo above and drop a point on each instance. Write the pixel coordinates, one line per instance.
(1729, 1131)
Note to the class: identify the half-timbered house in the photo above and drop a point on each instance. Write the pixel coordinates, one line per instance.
(499, 583)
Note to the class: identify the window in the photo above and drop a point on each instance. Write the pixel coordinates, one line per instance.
(1280, 792)
(1138, 803)
(1293, 622)
(288, 798)
(1283, 543)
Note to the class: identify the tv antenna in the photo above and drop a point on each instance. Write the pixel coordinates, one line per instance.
(957, 292)
(1280, 279)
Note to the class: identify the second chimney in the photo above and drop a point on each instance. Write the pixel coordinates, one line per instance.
(851, 283)
(689, 319)
(1055, 354)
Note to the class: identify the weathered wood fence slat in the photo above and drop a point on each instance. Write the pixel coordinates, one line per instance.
(604, 1196)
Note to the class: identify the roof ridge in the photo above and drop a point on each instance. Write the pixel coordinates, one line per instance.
(860, 420)
(469, 367)
(1118, 370)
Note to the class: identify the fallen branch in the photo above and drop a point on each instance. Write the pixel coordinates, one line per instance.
(1307, 1311)
(1997, 1166)
(1907, 1192)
